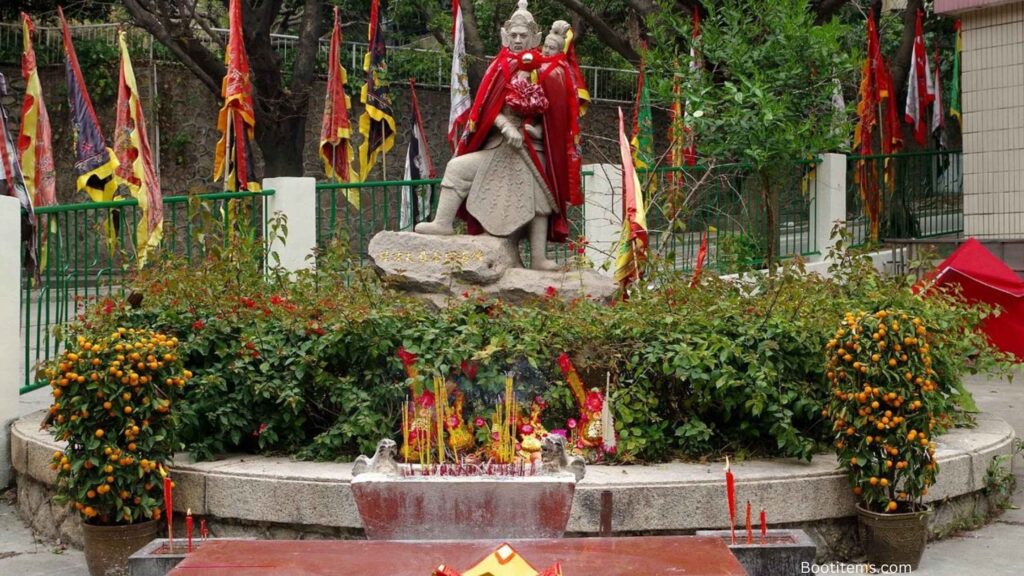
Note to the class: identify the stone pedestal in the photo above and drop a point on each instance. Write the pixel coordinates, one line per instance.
(784, 552)
(470, 508)
(442, 267)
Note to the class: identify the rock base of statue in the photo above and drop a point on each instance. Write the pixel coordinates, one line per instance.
(441, 267)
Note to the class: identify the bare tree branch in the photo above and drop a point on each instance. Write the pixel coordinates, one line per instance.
(207, 68)
(603, 30)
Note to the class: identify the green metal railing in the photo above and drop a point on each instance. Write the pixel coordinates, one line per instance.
(379, 209)
(725, 202)
(87, 251)
(922, 194)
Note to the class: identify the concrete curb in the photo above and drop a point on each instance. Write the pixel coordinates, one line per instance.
(663, 497)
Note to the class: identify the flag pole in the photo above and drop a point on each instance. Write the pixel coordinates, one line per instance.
(384, 153)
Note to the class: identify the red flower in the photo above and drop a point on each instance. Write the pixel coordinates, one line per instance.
(108, 306)
(426, 400)
(198, 324)
(479, 422)
(571, 423)
(275, 299)
(262, 428)
(247, 302)
(550, 292)
(469, 369)
(565, 363)
(526, 429)
(408, 358)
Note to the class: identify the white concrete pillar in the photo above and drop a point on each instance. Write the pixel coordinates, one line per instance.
(295, 198)
(602, 213)
(829, 195)
(10, 302)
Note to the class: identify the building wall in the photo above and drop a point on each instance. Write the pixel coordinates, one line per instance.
(993, 121)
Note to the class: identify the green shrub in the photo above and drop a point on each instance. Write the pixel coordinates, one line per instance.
(307, 365)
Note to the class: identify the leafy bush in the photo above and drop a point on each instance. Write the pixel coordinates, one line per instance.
(306, 364)
(114, 395)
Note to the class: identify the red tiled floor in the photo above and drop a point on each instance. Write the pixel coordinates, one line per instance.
(647, 556)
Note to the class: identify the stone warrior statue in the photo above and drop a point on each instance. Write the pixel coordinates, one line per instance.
(517, 164)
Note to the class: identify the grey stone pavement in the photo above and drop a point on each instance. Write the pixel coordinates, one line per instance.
(996, 549)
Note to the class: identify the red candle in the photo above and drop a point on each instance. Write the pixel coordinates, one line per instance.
(764, 525)
(169, 505)
(750, 529)
(202, 529)
(730, 493)
(188, 528)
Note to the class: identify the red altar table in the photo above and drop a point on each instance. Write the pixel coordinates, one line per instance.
(647, 555)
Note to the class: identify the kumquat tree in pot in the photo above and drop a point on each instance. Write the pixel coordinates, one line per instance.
(887, 406)
(114, 398)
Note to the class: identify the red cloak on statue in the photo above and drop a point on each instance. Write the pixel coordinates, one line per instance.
(561, 165)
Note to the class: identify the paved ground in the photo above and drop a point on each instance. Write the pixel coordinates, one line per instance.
(994, 550)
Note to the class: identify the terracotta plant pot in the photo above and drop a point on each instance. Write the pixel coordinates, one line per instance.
(897, 538)
(107, 548)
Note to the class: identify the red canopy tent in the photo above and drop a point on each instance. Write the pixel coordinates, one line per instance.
(985, 278)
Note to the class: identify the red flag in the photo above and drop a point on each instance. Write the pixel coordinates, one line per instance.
(920, 89)
(336, 130)
(866, 173)
(702, 255)
(236, 120)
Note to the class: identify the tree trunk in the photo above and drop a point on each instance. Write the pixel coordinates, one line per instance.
(474, 45)
(770, 200)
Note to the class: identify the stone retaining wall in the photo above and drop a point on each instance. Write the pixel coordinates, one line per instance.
(278, 498)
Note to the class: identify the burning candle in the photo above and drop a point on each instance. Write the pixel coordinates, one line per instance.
(764, 526)
(750, 529)
(730, 494)
(188, 528)
(169, 505)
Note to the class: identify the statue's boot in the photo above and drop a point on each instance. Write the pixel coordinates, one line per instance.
(447, 205)
(538, 245)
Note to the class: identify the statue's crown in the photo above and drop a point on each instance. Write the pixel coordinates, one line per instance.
(523, 17)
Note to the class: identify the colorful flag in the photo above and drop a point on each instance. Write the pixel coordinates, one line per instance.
(632, 250)
(34, 141)
(12, 183)
(135, 158)
(415, 206)
(678, 132)
(920, 89)
(696, 67)
(94, 162)
(865, 172)
(35, 148)
(643, 123)
(336, 131)
(702, 256)
(582, 92)
(954, 89)
(461, 98)
(236, 121)
(377, 123)
(938, 114)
